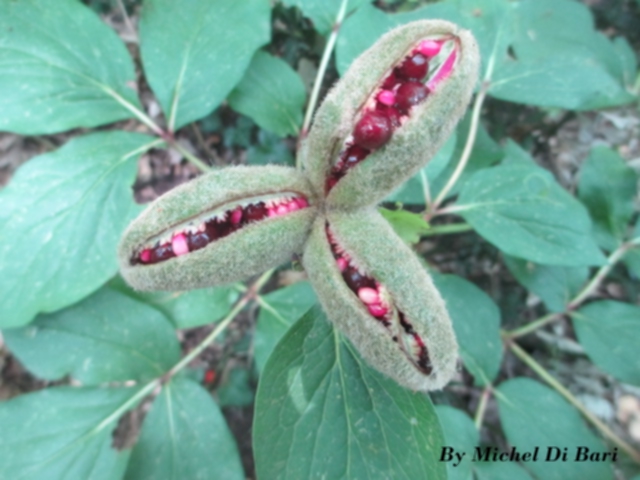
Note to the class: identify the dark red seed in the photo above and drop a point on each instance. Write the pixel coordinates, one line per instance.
(414, 67)
(354, 154)
(197, 240)
(356, 280)
(390, 82)
(373, 130)
(161, 253)
(410, 94)
(390, 112)
(255, 212)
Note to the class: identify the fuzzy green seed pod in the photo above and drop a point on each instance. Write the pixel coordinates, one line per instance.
(415, 141)
(389, 341)
(236, 246)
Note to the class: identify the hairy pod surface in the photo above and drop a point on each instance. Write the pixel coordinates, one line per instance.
(421, 112)
(221, 227)
(375, 290)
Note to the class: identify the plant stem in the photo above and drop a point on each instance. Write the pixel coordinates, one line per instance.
(191, 157)
(482, 406)
(324, 62)
(546, 376)
(447, 229)
(127, 20)
(468, 147)
(532, 326)
(246, 298)
(602, 273)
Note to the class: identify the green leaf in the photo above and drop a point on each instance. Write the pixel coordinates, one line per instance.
(272, 94)
(628, 60)
(184, 436)
(537, 52)
(514, 154)
(607, 187)
(194, 56)
(409, 226)
(278, 311)
(476, 322)
(107, 337)
(461, 434)
(323, 12)
(608, 331)
(524, 212)
(413, 190)
(61, 68)
(533, 415)
(329, 415)
(500, 471)
(555, 286)
(61, 218)
(186, 309)
(62, 432)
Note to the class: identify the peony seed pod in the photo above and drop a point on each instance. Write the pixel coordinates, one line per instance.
(391, 112)
(223, 226)
(375, 290)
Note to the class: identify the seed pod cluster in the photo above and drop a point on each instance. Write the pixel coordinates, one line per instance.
(384, 120)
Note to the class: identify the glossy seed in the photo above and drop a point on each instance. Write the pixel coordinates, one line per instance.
(373, 130)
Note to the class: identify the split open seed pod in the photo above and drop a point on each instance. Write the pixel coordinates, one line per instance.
(223, 226)
(374, 289)
(391, 112)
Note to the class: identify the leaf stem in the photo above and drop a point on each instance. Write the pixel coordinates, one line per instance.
(532, 326)
(595, 421)
(322, 68)
(139, 114)
(246, 298)
(447, 229)
(191, 157)
(468, 147)
(602, 273)
(482, 406)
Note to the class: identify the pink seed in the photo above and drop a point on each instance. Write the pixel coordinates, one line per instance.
(387, 97)
(377, 310)
(179, 244)
(292, 206)
(272, 212)
(429, 48)
(342, 264)
(236, 215)
(369, 295)
(282, 210)
(145, 255)
(444, 72)
(302, 202)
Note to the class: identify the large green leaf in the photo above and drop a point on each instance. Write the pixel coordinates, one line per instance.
(107, 337)
(184, 436)
(476, 322)
(61, 218)
(608, 331)
(533, 415)
(323, 12)
(188, 309)
(524, 212)
(461, 438)
(193, 55)
(278, 311)
(555, 286)
(61, 68)
(272, 94)
(321, 412)
(608, 187)
(538, 52)
(62, 432)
